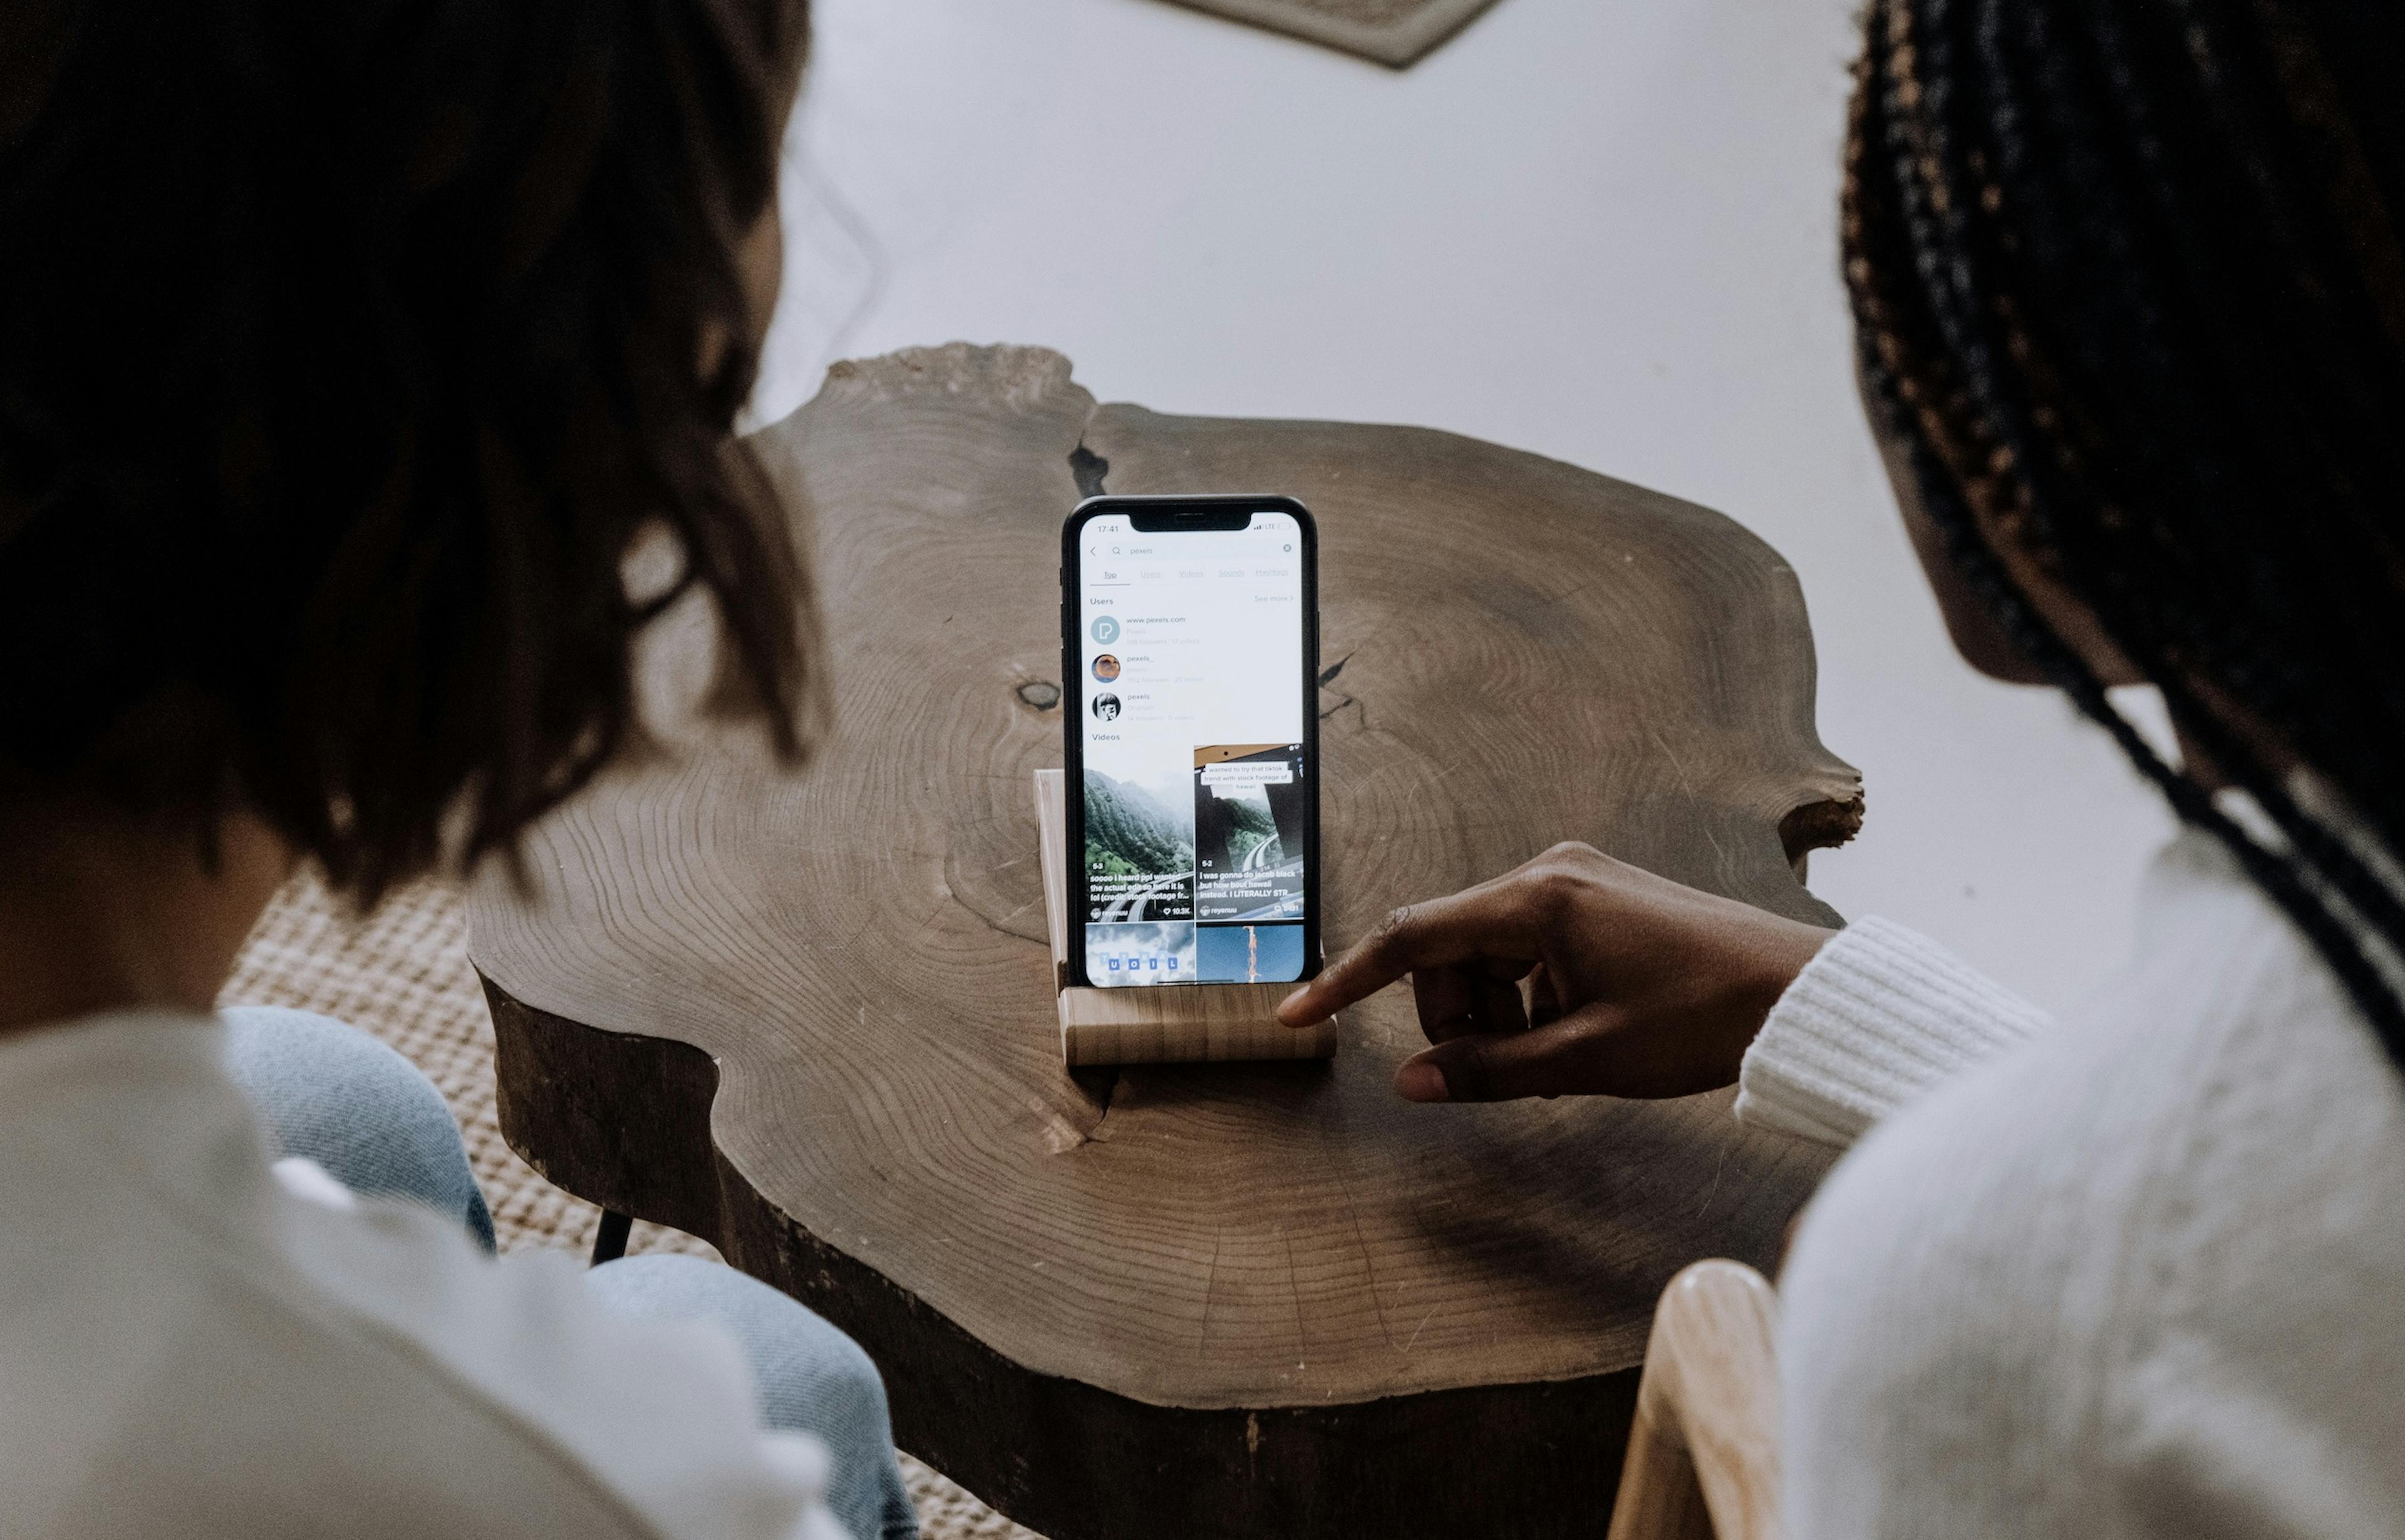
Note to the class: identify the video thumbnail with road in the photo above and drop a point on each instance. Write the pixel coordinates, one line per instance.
(1249, 805)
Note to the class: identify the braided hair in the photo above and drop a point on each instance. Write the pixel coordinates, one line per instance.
(2129, 282)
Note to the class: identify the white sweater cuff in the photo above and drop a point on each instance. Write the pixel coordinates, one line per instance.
(1878, 1017)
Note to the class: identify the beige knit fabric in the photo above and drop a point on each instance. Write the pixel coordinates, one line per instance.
(404, 976)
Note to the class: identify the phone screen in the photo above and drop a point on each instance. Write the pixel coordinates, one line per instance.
(1198, 802)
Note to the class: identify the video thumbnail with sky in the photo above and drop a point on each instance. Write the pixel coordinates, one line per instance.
(1137, 953)
(1249, 954)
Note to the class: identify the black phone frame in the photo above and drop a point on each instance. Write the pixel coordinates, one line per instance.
(1190, 511)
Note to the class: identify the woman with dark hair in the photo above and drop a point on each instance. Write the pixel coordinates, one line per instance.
(345, 354)
(2128, 280)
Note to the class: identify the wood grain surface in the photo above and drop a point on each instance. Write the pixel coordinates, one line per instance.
(809, 1015)
(1703, 1454)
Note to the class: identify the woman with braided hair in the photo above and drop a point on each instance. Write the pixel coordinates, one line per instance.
(2129, 283)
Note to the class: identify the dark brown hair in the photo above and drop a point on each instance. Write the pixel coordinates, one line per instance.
(344, 349)
(2129, 276)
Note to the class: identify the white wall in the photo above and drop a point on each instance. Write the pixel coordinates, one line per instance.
(1600, 229)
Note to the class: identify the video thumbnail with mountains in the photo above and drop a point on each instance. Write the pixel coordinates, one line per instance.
(1139, 853)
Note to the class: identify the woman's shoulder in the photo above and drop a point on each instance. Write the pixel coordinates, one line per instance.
(654, 1422)
(2176, 1219)
(2225, 1086)
(218, 1352)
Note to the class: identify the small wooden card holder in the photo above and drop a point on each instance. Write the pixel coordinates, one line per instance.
(1171, 1024)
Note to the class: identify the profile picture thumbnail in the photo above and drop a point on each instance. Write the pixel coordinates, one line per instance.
(1107, 668)
(1107, 707)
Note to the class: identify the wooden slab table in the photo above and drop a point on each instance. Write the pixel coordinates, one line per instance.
(807, 1015)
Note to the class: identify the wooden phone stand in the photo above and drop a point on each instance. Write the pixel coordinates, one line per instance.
(1173, 1024)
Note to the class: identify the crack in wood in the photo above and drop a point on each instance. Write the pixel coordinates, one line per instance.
(1100, 1086)
(1821, 825)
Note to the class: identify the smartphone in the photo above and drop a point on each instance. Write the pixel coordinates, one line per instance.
(1189, 650)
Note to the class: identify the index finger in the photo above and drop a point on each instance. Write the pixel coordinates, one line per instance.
(1489, 921)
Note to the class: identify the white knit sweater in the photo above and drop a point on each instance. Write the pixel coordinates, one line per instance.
(2138, 1273)
(191, 1348)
